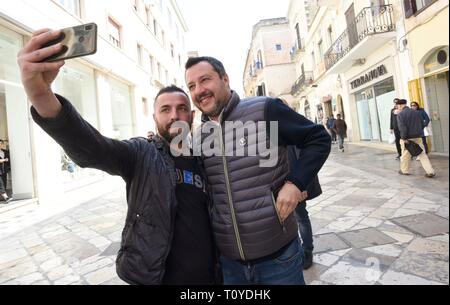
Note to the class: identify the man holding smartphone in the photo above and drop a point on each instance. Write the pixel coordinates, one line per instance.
(167, 238)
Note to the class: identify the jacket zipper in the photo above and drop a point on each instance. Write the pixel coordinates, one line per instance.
(230, 201)
(278, 214)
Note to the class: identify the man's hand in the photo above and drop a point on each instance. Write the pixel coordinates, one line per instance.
(37, 76)
(288, 199)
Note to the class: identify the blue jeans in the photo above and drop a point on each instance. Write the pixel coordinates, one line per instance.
(286, 269)
(341, 141)
(304, 226)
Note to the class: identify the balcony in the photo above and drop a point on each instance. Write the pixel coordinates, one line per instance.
(373, 27)
(302, 82)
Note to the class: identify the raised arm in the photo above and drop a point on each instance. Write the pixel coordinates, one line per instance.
(82, 142)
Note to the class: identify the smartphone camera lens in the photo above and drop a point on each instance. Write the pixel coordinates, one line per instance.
(88, 27)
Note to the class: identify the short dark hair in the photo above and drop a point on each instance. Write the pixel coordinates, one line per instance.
(215, 63)
(170, 89)
(396, 100)
(402, 102)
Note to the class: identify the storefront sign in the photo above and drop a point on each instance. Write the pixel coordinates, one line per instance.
(368, 77)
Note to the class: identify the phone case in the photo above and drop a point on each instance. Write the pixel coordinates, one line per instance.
(77, 41)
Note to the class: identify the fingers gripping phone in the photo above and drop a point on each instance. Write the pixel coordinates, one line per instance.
(77, 41)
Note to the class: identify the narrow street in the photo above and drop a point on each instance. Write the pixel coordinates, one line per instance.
(371, 226)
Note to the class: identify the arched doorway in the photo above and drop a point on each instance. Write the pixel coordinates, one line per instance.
(436, 89)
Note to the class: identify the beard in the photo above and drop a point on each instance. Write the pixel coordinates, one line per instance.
(217, 108)
(164, 131)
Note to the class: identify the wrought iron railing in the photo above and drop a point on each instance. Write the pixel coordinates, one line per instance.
(304, 80)
(370, 21)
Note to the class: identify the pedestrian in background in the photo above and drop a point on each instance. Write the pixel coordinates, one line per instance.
(394, 129)
(425, 123)
(314, 190)
(4, 168)
(340, 127)
(411, 130)
(150, 135)
(330, 123)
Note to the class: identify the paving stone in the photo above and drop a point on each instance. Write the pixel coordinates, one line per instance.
(371, 222)
(392, 277)
(387, 250)
(399, 237)
(366, 238)
(30, 278)
(378, 261)
(382, 213)
(12, 255)
(424, 224)
(100, 276)
(115, 282)
(72, 246)
(51, 264)
(328, 242)
(314, 273)
(421, 206)
(325, 259)
(70, 279)
(111, 250)
(405, 212)
(98, 264)
(340, 253)
(346, 273)
(59, 272)
(427, 259)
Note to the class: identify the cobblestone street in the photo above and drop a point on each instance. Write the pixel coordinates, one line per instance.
(371, 226)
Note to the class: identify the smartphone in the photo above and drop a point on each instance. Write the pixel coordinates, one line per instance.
(77, 41)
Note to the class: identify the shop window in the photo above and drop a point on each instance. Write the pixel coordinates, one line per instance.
(76, 82)
(121, 110)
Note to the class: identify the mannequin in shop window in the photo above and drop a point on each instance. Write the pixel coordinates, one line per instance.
(4, 169)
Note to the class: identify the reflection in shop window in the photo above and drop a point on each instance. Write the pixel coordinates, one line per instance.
(77, 84)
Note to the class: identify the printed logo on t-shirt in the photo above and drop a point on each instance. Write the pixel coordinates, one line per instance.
(188, 177)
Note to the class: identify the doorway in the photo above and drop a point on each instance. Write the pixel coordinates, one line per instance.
(437, 87)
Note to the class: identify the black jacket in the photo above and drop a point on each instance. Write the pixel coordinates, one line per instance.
(410, 124)
(5, 167)
(150, 177)
(394, 124)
